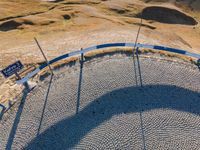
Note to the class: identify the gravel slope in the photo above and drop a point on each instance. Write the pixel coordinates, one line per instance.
(113, 112)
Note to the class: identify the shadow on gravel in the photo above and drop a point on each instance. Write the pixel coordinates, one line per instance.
(167, 15)
(68, 132)
(19, 113)
(79, 86)
(17, 117)
(45, 103)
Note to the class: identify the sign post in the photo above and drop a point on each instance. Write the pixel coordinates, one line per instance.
(14, 69)
(18, 76)
(82, 56)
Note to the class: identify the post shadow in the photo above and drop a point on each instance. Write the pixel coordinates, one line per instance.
(3, 108)
(142, 131)
(68, 132)
(79, 84)
(139, 69)
(198, 64)
(17, 117)
(45, 103)
(135, 68)
(141, 109)
(141, 122)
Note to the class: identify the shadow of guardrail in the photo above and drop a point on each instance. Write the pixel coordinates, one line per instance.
(45, 103)
(2, 109)
(17, 118)
(69, 131)
(79, 85)
(20, 111)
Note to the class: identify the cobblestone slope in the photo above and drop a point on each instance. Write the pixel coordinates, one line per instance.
(97, 105)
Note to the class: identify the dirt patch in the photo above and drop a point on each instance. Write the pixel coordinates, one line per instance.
(167, 15)
(125, 10)
(53, 1)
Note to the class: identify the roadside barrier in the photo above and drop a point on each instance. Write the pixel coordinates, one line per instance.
(82, 51)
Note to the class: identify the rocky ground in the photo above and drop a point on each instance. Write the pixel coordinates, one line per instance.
(99, 104)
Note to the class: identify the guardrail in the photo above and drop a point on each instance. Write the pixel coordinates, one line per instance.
(156, 47)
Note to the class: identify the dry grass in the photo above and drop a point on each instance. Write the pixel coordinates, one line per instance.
(39, 18)
(112, 51)
(20, 8)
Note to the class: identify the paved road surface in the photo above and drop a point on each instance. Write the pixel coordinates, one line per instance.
(97, 105)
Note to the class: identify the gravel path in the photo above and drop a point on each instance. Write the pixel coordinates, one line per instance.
(97, 105)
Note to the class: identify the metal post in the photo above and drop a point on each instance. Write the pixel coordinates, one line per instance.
(139, 69)
(27, 88)
(43, 55)
(18, 76)
(82, 56)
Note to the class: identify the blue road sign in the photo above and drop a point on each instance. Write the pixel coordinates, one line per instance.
(12, 69)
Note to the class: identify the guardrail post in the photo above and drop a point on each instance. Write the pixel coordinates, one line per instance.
(82, 56)
(26, 85)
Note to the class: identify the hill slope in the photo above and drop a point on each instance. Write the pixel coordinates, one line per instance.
(71, 24)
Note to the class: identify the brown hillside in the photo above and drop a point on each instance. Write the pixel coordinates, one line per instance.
(68, 25)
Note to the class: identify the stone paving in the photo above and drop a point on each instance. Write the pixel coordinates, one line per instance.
(98, 105)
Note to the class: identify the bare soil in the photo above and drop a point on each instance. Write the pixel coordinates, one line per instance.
(68, 25)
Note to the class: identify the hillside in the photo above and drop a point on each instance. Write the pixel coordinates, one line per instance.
(68, 25)
(194, 5)
(106, 99)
